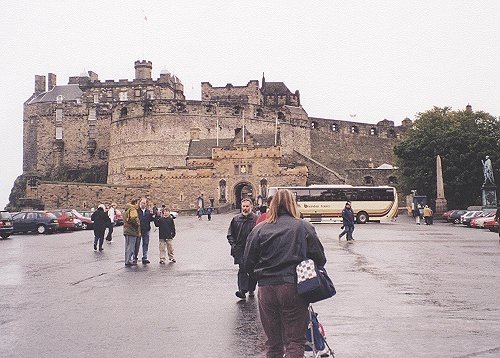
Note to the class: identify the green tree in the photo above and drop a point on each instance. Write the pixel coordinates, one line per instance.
(462, 139)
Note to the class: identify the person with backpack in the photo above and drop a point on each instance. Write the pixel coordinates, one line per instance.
(131, 231)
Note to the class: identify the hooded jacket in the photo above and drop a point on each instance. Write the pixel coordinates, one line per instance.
(131, 223)
(274, 250)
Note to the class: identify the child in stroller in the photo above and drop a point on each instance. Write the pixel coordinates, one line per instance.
(315, 335)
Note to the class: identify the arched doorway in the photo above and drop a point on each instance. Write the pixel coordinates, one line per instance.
(242, 190)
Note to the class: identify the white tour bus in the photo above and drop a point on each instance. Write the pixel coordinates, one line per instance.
(320, 203)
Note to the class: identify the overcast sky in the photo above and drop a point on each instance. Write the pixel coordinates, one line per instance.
(375, 59)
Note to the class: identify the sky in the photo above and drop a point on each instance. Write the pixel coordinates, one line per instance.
(351, 60)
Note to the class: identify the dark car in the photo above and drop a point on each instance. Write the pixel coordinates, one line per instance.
(64, 218)
(455, 216)
(6, 228)
(41, 222)
(84, 216)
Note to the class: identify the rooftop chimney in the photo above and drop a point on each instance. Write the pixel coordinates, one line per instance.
(52, 81)
(39, 84)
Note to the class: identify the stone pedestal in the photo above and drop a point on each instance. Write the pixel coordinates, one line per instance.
(489, 196)
(441, 206)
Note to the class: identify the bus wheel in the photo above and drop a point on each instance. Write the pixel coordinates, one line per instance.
(362, 217)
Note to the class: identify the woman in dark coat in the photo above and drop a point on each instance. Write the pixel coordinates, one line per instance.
(100, 221)
(272, 252)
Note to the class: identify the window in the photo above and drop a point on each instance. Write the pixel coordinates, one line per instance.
(109, 94)
(391, 133)
(263, 188)
(137, 92)
(96, 98)
(354, 129)
(92, 114)
(59, 133)
(314, 125)
(259, 112)
(59, 114)
(373, 131)
(335, 127)
(59, 99)
(281, 116)
(393, 180)
(92, 132)
(123, 112)
(123, 96)
(150, 95)
(222, 190)
(368, 180)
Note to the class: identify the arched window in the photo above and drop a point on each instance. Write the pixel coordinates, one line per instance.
(222, 190)
(368, 180)
(354, 129)
(314, 125)
(391, 133)
(335, 127)
(259, 112)
(373, 131)
(281, 116)
(263, 187)
(392, 180)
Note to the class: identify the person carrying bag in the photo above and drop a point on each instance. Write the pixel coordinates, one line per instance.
(273, 250)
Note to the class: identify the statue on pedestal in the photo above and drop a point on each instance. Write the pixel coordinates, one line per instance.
(488, 171)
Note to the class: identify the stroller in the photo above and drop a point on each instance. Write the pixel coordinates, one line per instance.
(316, 340)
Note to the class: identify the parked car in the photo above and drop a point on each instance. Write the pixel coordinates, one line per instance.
(446, 214)
(491, 224)
(84, 217)
(41, 222)
(466, 218)
(77, 222)
(455, 216)
(64, 218)
(478, 221)
(6, 228)
(118, 218)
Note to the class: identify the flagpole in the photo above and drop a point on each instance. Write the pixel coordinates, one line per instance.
(276, 132)
(217, 131)
(243, 113)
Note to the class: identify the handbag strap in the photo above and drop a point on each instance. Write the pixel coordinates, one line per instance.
(303, 241)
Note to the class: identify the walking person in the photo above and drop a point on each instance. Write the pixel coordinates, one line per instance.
(237, 234)
(145, 218)
(347, 222)
(416, 214)
(166, 234)
(209, 213)
(264, 209)
(100, 222)
(272, 253)
(131, 231)
(427, 215)
(111, 225)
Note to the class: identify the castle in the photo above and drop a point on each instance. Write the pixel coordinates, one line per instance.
(92, 141)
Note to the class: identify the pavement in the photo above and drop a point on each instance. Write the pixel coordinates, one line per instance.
(403, 290)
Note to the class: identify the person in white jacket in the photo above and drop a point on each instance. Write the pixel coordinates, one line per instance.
(112, 215)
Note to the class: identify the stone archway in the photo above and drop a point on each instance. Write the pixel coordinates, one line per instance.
(242, 190)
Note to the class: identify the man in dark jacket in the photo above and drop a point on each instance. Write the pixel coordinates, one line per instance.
(347, 221)
(100, 222)
(145, 217)
(241, 225)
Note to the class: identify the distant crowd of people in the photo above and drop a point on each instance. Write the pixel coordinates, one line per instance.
(137, 219)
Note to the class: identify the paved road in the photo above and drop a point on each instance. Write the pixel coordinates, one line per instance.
(403, 291)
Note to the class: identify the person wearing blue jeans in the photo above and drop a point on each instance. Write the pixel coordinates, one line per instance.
(145, 217)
